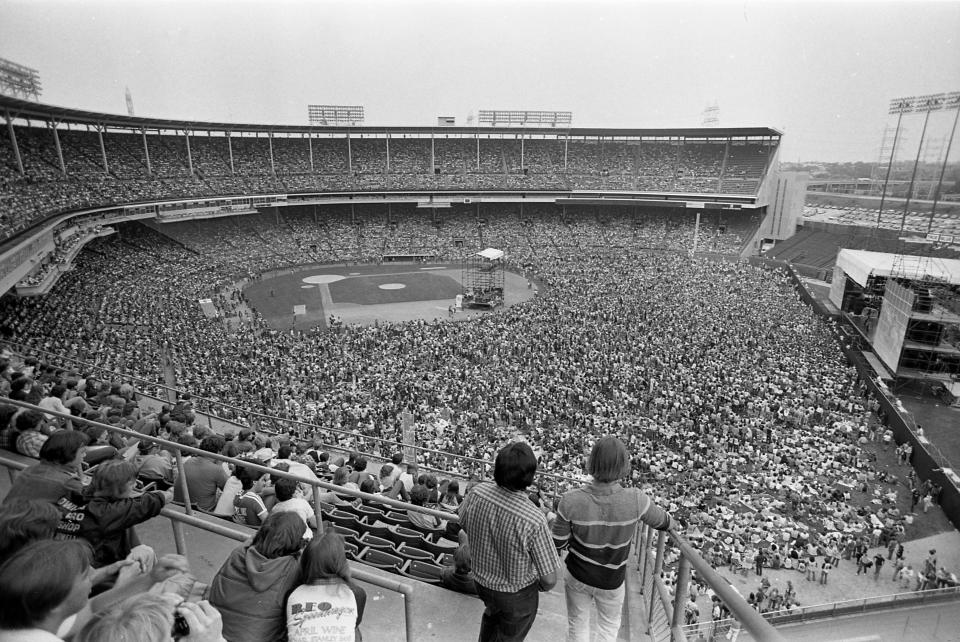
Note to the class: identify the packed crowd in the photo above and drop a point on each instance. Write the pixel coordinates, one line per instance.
(732, 397)
(158, 166)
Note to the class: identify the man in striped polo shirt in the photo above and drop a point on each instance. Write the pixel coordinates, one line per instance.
(513, 556)
(597, 523)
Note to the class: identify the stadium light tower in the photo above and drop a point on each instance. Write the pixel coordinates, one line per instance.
(927, 105)
(19, 81)
(899, 106)
(951, 101)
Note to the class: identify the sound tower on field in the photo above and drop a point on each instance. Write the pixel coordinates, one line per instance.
(482, 278)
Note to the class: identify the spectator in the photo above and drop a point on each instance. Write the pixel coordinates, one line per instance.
(31, 438)
(423, 521)
(390, 473)
(459, 576)
(59, 472)
(289, 501)
(513, 557)
(151, 618)
(155, 466)
(24, 521)
(249, 507)
(598, 522)
(252, 586)
(41, 585)
(107, 520)
(205, 477)
(325, 577)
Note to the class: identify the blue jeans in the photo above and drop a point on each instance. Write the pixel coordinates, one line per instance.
(580, 597)
(508, 616)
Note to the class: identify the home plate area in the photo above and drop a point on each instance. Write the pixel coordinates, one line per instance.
(307, 297)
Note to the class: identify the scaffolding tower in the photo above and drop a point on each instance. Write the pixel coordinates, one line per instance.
(482, 279)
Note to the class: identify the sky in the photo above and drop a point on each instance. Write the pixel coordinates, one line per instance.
(822, 73)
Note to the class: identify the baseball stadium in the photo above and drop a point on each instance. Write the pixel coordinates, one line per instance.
(208, 326)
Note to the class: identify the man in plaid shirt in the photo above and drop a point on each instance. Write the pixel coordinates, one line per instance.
(513, 553)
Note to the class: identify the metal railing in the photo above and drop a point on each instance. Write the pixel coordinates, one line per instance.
(657, 595)
(178, 519)
(710, 629)
(552, 483)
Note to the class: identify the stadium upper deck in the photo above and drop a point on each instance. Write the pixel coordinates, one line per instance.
(55, 160)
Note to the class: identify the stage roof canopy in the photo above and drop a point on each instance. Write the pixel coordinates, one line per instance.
(491, 254)
(859, 265)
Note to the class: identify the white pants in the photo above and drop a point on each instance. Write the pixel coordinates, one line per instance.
(580, 597)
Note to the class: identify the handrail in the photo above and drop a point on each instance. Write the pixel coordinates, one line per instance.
(357, 571)
(481, 466)
(752, 620)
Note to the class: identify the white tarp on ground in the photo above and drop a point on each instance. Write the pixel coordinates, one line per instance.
(491, 254)
(860, 264)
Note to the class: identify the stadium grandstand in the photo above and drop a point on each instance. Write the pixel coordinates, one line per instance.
(262, 319)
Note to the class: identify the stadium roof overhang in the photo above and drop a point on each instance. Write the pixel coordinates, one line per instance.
(25, 109)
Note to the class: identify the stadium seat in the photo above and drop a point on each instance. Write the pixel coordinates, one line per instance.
(414, 553)
(372, 541)
(445, 559)
(348, 534)
(381, 559)
(402, 535)
(378, 529)
(423, 571)
(343, 518)
(438, 548)
(372, 514)
(352, 550)
(396, 518)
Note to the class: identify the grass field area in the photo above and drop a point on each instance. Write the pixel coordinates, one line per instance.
(378, 289)
(367, 293)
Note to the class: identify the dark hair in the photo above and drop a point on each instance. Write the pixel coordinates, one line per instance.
(515, 466)
(23, 521)
(368, 486)
(281, 534)
(38, 578)
(324, 558)
(29, 420)
(285, 488)
(247, 476)
(58, 390)
(93, 432)
(397, 459)
(230, 449)
(186, 439)
(213, 444)
(419, 495)
(361, 464)
(62, 446)
(609, 460)
(283, 452)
